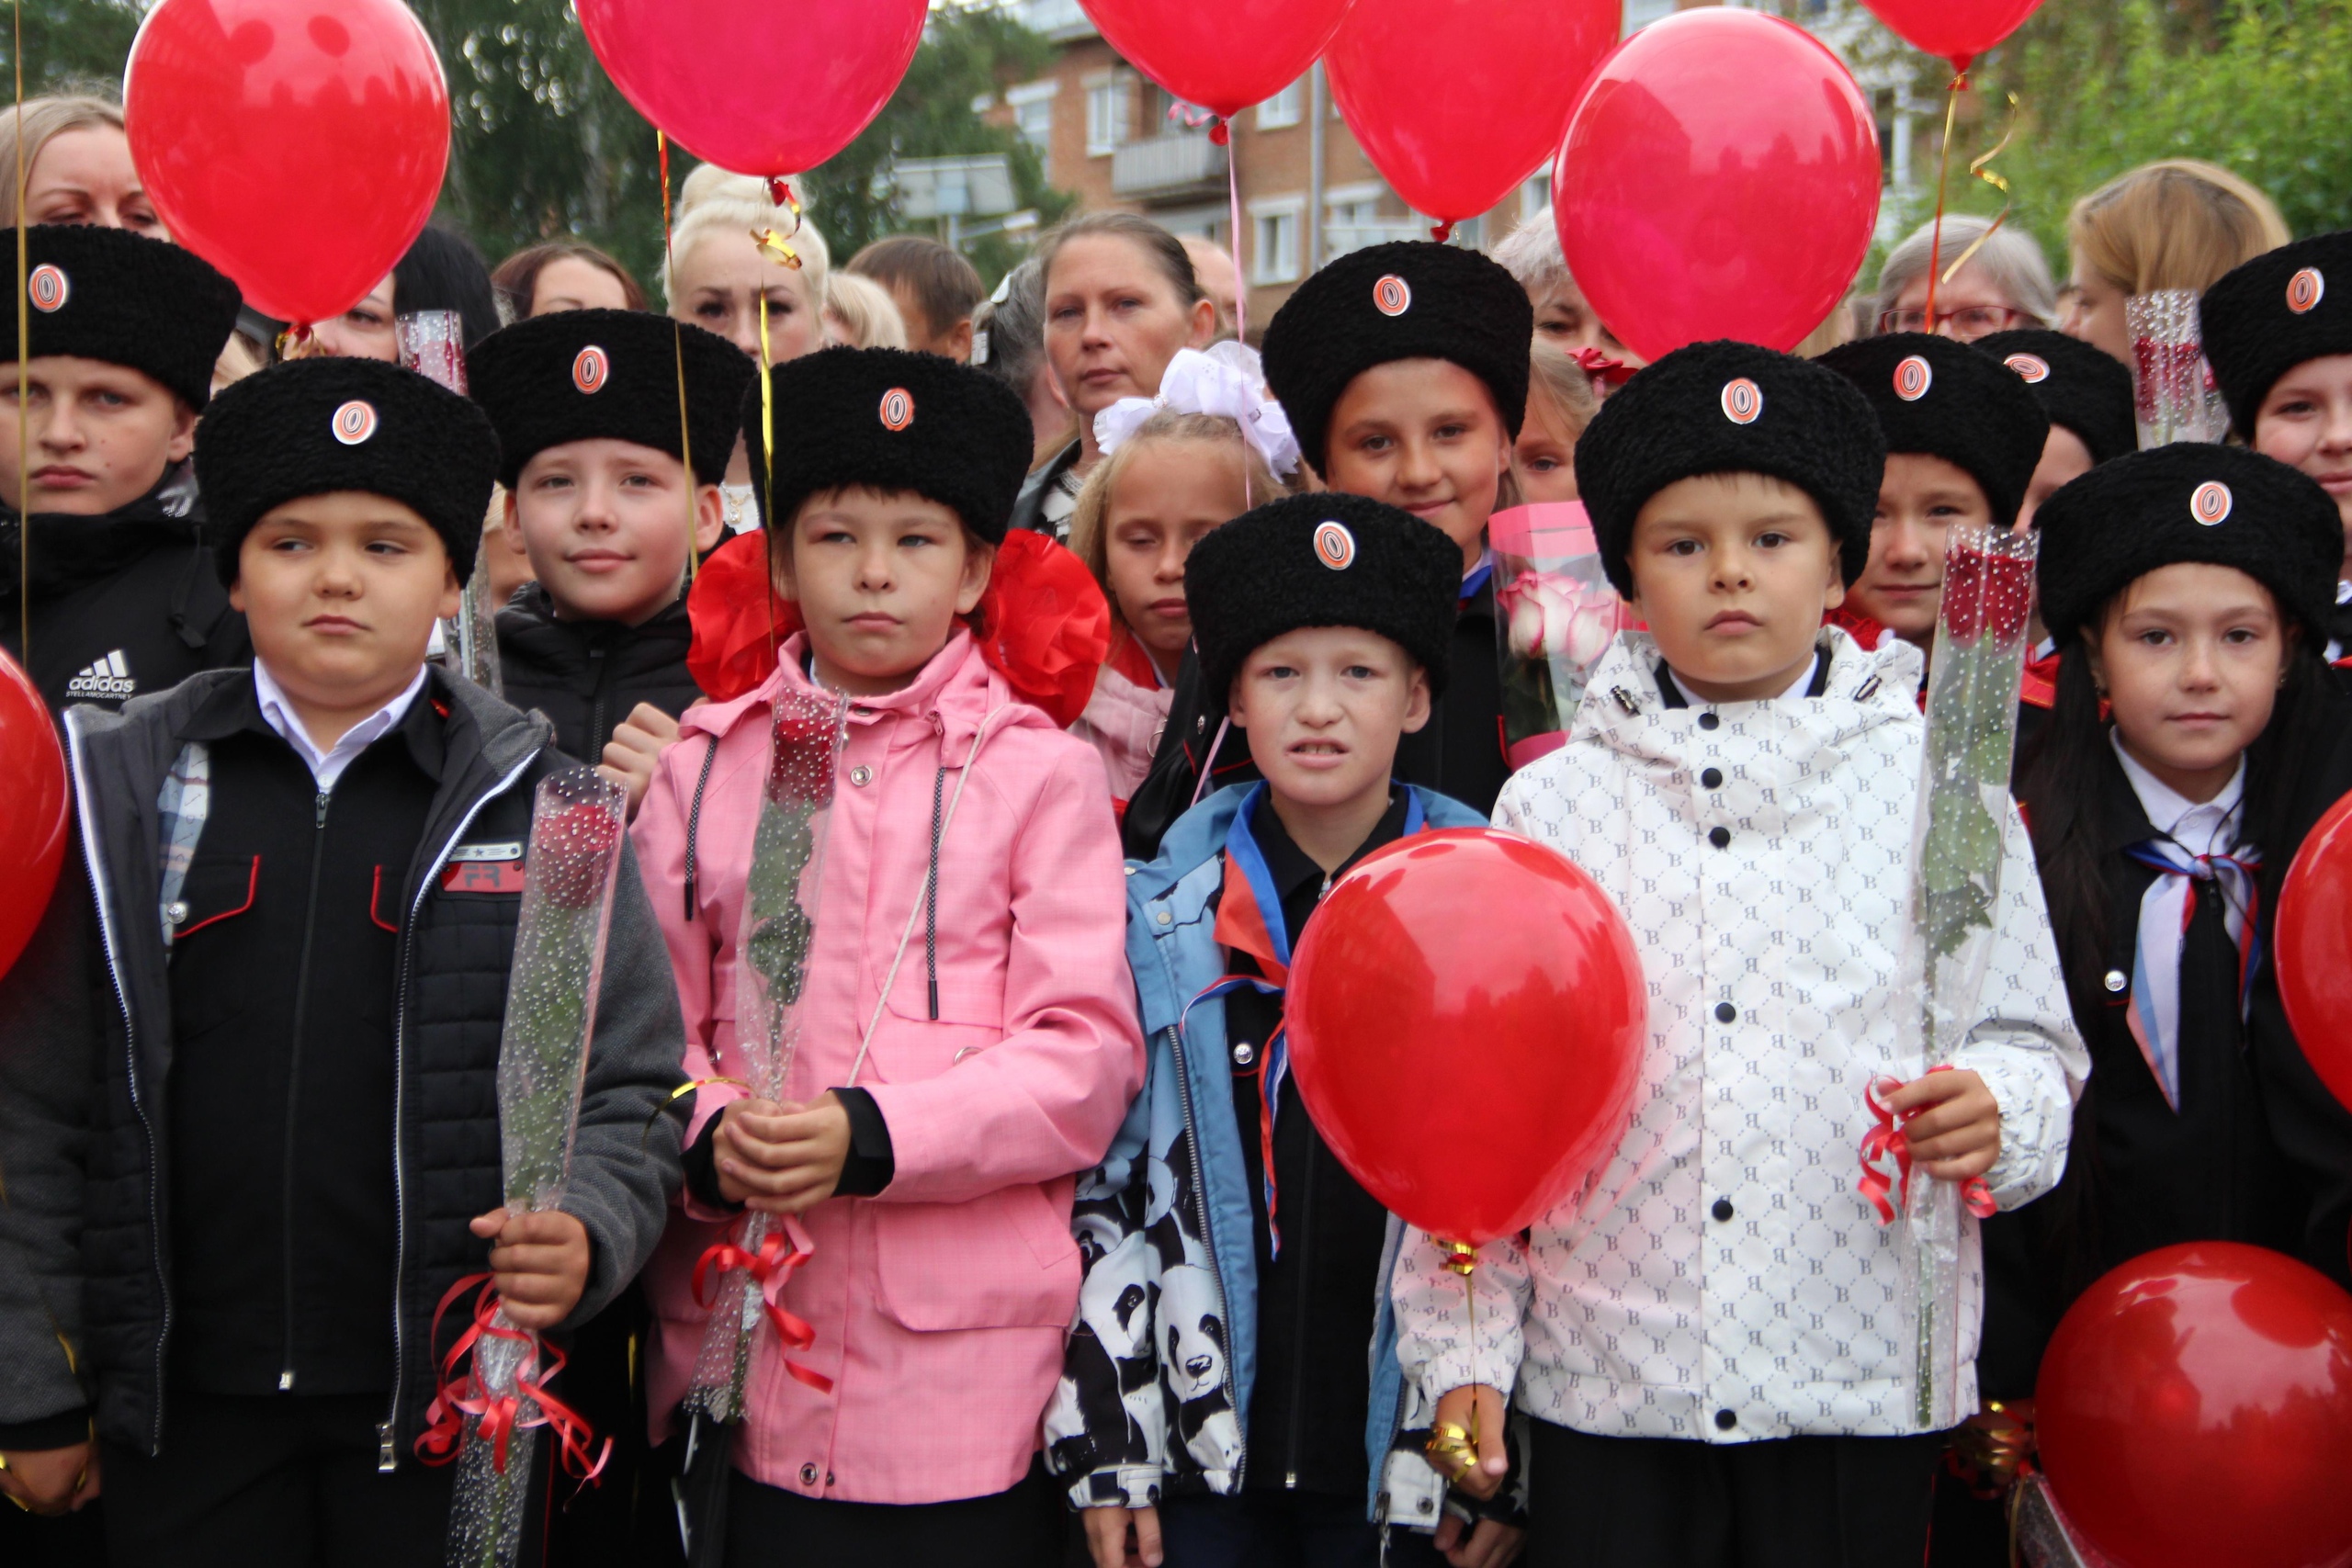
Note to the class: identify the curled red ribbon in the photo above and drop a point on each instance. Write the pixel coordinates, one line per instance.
(1884, 1146)
(462, 1393)
(778, 1256)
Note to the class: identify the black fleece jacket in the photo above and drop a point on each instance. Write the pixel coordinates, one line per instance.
(588, 676)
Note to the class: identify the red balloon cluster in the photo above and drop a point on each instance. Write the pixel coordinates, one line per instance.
(1959, 30)
(1720, 179)
(1223, 55)
(298, 147)
(2312, 948)
(1466, 1023)
(32, 829)
(2195, 1408)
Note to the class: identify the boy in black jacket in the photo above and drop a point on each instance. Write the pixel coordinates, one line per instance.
(248, 1108)
(595, 464)
(118, 360)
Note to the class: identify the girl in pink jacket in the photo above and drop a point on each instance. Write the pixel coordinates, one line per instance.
(930, 1135)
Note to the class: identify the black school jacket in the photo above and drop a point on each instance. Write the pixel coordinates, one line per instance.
(588, 676)
(87, 1304)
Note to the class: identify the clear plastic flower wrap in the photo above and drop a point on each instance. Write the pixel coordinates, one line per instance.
(1556, 615)
(2175, 397)
(1957, 850)
(433, 343)
(579, 822)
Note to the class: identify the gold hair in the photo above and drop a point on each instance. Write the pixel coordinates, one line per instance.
(2178, 223)
(1088, 532)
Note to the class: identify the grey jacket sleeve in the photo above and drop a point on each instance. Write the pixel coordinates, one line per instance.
(49, 1045)
(627, 1158)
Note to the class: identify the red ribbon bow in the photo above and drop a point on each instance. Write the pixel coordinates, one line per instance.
(780, 1252)
(1602, 367)
(462, 1393)
(1885, 1147)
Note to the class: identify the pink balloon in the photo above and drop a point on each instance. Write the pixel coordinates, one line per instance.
(759, 86)
(1959, 30)
(1457, 101)
(1720, 179)
(1221, 54)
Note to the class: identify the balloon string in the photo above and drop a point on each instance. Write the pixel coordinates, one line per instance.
(1221, 133)
(1980, 168)
(24, 363)
(1943, 173)
(678, 335)
(775, 246)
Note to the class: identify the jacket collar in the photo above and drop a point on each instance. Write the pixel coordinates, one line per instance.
(1198, 837)
(1625, 709)
(529, 621)
(234, 708)
(956, 689)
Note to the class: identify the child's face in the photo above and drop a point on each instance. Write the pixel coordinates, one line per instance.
(340, 593)
(2191, 656)
(717, 282)
(605, 522)
(1323, 707)
(1733, 572)
(1545, 456)
(96, 436)
(880, 578)
(1918, 501)
(1422, 434)
(2306, 422)
(1169, 494)
(2064, 459)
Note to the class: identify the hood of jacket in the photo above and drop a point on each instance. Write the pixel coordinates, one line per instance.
(70, 550)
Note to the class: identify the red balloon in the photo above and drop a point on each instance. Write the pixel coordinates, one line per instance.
(1720, 179)
(1509, 69)
(758, 86)
(2195, 1408)
(32, 829)
(1959, 30)
(296, 146)
(2313, 949)
(1466, 1023)
(1221, 54)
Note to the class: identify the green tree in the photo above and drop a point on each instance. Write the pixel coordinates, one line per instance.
(71, 44)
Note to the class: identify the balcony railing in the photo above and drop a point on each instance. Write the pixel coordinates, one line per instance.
(1184, 163)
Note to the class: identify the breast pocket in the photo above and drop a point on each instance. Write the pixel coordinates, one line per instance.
(911, 1044)
(215, 904)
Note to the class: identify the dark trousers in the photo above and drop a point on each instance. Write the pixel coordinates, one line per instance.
(1020, 1528)
(272, 1482)
(1793, 1503)
(1282, 1530)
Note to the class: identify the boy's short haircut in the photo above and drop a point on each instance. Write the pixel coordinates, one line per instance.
(886, 419)
(317, 426)
(1410, 299)
(1943, 399)
(942, 285)
(111, 295)
(2082, 388)
(1324, 560)
(2267, 316)
(585, 374)
(2193, 501)
(1732, 407)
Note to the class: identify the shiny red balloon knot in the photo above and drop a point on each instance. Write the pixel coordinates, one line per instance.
(1441, 232)
(1220, 134)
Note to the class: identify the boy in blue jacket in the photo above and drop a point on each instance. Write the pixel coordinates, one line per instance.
(1231, 1392)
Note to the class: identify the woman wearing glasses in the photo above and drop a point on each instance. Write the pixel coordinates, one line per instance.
(2003, 284)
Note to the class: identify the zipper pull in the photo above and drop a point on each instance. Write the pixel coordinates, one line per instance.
(320, 820)
(386, 1458)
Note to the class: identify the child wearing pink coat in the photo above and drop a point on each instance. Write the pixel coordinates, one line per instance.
(928, 1138)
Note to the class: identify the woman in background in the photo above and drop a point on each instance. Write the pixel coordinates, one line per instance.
(563, 275)
(2174, 224)
(2004, 287)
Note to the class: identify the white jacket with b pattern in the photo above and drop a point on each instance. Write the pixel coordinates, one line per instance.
(1720, 1278)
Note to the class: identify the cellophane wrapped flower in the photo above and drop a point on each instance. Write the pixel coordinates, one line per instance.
(1962, 822)
(772, 946)
(2175, 397)
(1556, 615)
(578, 823)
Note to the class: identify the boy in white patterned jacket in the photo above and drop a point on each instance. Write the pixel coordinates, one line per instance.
(1709, 1339)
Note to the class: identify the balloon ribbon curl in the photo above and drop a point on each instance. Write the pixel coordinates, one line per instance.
(1454, 1446)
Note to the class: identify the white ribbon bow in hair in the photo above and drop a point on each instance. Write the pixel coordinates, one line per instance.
(1226, 381)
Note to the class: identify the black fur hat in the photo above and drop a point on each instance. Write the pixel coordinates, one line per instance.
(314, 426)
(2189, 502)
(1321, 560)
(1943, 398)
(1410, 299)
(112, 295)
(580, 375)
(2082, 388)
(894, 421)
(2268, 315)
(1731, 408)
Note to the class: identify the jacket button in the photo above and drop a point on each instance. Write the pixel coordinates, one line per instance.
(1726, 1420)
(1722, 1211)
(1712, 778)
(1164, 918)
(808, 1472)
(1708, 721)
(861, 775)
(1719, 837)
(1244, 1054)
(1725, 1012)
(178, 912)
(1132, 870)
(2116, 979)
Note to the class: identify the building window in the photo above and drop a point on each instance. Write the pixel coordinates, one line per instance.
(1535, 194)
(1033, 113)
(1351, 220)
(1106, 115)
(1274, 234)
(1281, 111)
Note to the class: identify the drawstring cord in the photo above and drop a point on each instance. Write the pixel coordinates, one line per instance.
(694, 820)
(930, 893)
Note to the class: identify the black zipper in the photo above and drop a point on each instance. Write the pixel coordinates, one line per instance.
(1208, 1236)
(294, 1076)
(598, 739)
(1301, 1274)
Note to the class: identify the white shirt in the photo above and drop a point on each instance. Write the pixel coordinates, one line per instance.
(2208, 829)
(327, 766)
(1796, 688)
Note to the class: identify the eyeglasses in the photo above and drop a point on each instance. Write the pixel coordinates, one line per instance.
(1967, 322)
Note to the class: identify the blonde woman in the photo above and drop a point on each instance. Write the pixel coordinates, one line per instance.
(78, 166)
(1560, 403)
(2174, 224)
(860, 314)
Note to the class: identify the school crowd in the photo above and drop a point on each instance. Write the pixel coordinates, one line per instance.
(1082, 1280)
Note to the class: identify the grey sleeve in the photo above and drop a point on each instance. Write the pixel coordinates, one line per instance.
(627, 1158)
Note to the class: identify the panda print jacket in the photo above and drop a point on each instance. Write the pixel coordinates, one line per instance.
(1161, 1360)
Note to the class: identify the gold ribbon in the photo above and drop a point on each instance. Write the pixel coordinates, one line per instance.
(678, 343)
(1980, 168)
(1452, 1447)
(680, 1093)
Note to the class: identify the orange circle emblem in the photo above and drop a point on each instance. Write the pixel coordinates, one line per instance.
(1743, 401)
(1392, 296)
(1913, 378)
(897, 409)
(2211, 502)
(591, 370)
(1334, 546)
(2306, 290)
(355, 422)
(2032, 369)
(47, 288)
